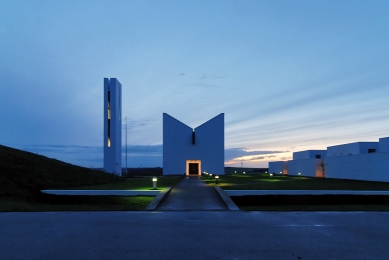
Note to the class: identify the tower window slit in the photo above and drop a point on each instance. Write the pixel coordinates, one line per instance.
(109, 119)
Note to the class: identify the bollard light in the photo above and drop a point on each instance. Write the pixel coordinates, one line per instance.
(244, 172)
(280, 172)
(217, 179)
(235, 171)
(299, 174)
(265, 172)
(154, 183)
(210, 176)
(271, 175)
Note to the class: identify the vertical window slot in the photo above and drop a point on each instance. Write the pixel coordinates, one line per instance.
(109, 119)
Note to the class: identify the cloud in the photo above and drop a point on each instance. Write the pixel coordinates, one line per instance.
(182, 74)
(234, 153)
(203, 76)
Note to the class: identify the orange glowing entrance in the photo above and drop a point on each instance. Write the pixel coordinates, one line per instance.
(193, 167)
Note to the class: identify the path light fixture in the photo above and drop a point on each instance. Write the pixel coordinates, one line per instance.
(266, 172)
(244, 172)
(217, 179)
(210, 176)
(280, 172)
(154, 183)
(299, 174)
(271, 175)
(235, 171)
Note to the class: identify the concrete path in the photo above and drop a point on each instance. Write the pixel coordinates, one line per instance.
(207, 235)
(192, 194)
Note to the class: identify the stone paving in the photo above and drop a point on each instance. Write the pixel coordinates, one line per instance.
(192, 194)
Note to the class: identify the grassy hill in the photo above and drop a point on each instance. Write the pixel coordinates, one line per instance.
(24, 174)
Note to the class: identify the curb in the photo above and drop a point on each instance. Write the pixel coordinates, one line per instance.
(103, 192)
(230, 204)
(155, 202)
(303, 192)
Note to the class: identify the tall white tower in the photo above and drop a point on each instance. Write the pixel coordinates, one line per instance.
(113, 126)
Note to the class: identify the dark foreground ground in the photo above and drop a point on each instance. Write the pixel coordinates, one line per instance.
(194, 235)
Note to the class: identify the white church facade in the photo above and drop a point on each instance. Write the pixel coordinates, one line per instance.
(112, 126)
(193, 151)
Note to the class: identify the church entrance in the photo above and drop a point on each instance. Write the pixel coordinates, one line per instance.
(193, 167)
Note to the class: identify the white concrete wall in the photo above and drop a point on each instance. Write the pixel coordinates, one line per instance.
(384, 145)
(351, 149)
(307, 167)
(178, 147)
(277, 167)
(370, 167)
(113, 153)
(309, 154)
(210, 145)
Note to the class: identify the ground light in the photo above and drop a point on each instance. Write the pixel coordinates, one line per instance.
(154, 183)
(271, 175)
(217, 179)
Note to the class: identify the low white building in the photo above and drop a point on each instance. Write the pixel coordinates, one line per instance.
(193, 151)
(280, 167)
(355, 161)
(352, 149)
(359, 161)
(308, 163)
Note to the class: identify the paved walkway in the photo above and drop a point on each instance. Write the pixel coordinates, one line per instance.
(192, 194)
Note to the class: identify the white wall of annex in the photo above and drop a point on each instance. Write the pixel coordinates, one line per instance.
(307, 167)
(384, 145)
(309, 154)
(370, 167)
(278, 167)
(351, 149)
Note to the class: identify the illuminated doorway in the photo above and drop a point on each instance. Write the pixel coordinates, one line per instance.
(193, 167)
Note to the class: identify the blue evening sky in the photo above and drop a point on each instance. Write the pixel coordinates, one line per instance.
(289, 75)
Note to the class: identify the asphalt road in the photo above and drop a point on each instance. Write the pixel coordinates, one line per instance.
(192, 194)
(194, 235)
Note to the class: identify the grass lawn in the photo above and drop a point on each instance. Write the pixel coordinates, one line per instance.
(278, 182)
(75, 203)
(302, 202)
(132, 184)
(46, 202)
(313, 202)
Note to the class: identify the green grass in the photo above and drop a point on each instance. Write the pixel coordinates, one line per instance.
(277, 182)
(75, 203)
(132, 184)
(313, 202)
(24, 174)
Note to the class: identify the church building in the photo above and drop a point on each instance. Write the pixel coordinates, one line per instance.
(193, 151)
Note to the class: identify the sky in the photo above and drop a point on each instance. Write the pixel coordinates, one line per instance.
(289, 75)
